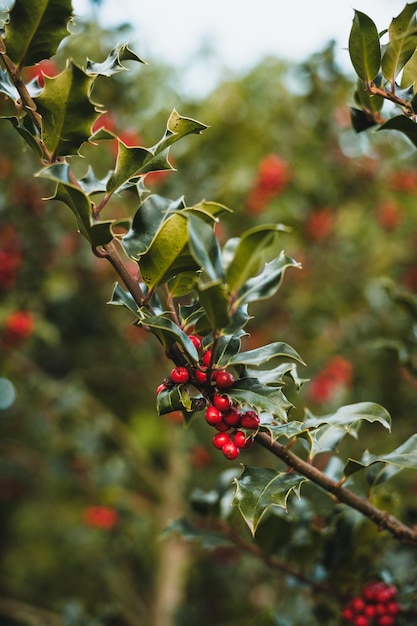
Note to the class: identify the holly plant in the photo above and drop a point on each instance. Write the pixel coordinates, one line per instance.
(193, 292)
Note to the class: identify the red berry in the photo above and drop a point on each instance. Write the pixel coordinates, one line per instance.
(230, 451)
(222, 426)
(220, 439)
(348, 614)
(206, 358)
(386, 620)
(160, 388)
(393, 608)
(222, 402)
(250, 419)
(232, 416)
(357, 604)
(370, 610)
(213, 416)
(200, 376)
(224, 380)
(180, 375)
(239, 439)
(196, 341)
(361, 620)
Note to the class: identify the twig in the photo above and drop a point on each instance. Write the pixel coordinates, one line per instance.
(382, 519)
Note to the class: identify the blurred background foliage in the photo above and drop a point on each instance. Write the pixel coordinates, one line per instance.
(90, 476)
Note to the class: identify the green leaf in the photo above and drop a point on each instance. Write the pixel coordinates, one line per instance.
(113, 63)
(168, 254)
(214, 300)
(26, 129)
(262, 355)
(402, 42)
(361, 120)
(250, 391)
(147, 221)
(405, 456)
(409, 75)
(267, 283)
(259, 488)
(183, 284)
(364, 47)
(136, 161)
(121, 297)
(204, 247)
(176, 399)
(208, 540)
(67, 110)
(167, 332)
(249, 255)
(210, 210)
(36, 29)
(403, 124)
(347, 417)
(98, 233)
(275, 375)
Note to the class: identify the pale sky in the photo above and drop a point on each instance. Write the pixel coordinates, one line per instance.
(240, 32)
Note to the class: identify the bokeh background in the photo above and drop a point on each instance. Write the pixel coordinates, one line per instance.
(90, 476)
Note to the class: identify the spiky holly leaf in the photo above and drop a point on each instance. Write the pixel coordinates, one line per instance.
(214, 300)
(364, 47)
(348, 417)
(262, 355)
(267, 283)
(204, 247)
(249, 255)
(176, 399)
(97, 233)
(26, 129)
(67, 110)
(251, 392)
(402, 42)
(121, 297)
(169, 254)
(168, 332)
(136, 160)
(260, 488)
(113, 63)
(405, 456)
(36, 29)
(147, 221)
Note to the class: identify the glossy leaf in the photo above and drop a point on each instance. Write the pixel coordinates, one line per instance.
(251, 392)
(146, 223)
(405, 456)
(67, 111)
(409, 75)
(361, 120)
(176, 399)
(402, 42)
(36, 29)
(28, 132)
(259, 488)
(364, 47)
(347, 417)
(204, 247)
(267, 283)
(276, 375)
(98, 233)
(249, 255)
(214, 300)
(262, 355)
(168, 332)
(404, 125)
(114, 61)
(136, 160)
(369, 103)
(168, 255)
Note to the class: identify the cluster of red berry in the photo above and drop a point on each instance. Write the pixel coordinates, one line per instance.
(222, 412)
(376, 606)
